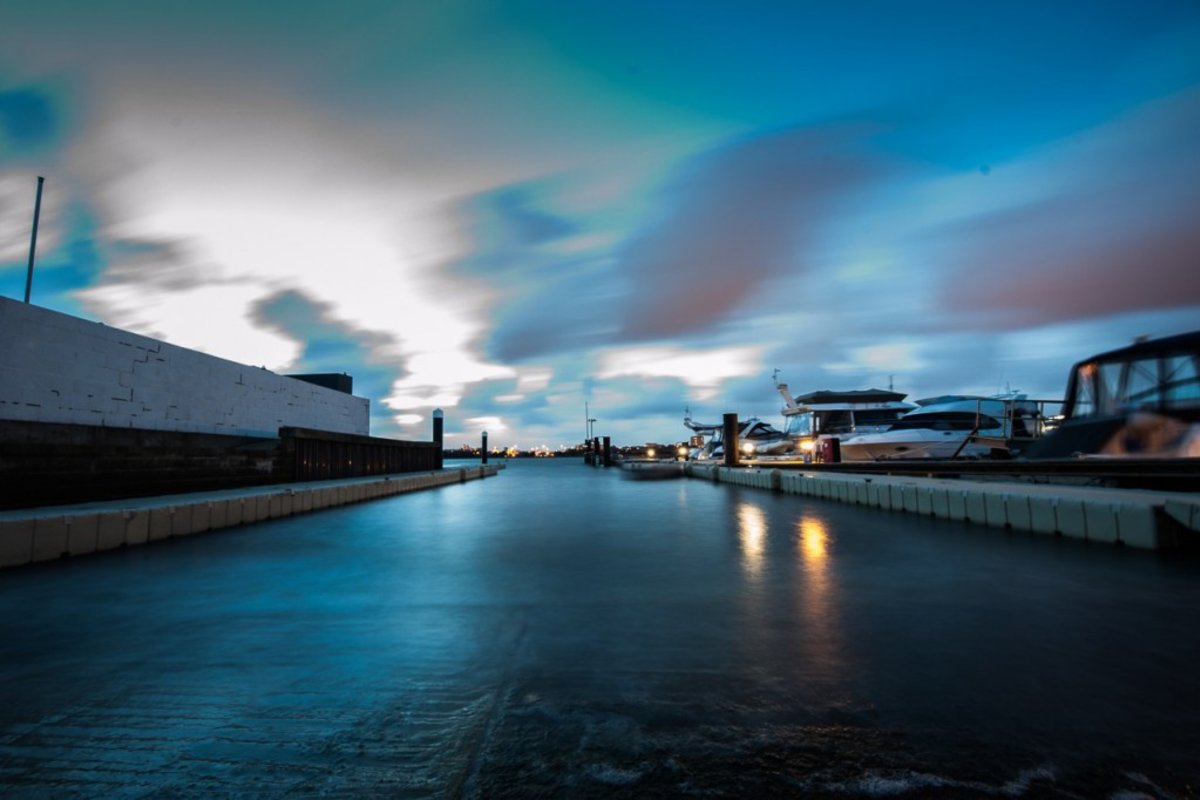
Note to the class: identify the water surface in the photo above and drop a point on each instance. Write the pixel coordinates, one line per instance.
(557, 631)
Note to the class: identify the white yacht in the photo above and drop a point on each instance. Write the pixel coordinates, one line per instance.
(818, 417)
(755, 438)
(951, 426)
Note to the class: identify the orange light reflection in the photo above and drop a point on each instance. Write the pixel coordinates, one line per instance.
(818, 605)
(814, 543)
(752, 535)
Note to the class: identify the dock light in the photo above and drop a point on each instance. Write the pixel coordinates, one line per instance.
(682, 452)
(748, 448)
(808, 445)
(649, 452)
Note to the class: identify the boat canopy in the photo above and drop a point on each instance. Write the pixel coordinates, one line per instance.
(825, 397)
(1159, 375)
(1137, 400)
(752, 428)
(943, 399)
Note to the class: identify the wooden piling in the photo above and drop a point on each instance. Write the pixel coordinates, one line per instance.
(729, 436)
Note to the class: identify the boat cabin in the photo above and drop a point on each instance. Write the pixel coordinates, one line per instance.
(828, 413)
(1141, 400)
(1160, 376)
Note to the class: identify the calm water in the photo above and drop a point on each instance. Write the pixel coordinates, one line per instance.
(557, 631)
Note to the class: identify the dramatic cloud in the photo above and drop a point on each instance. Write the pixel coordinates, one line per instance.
(726, 222)
(704, 371)
(733, 219)
(329, 345)
(1109, 227)
(510, 211)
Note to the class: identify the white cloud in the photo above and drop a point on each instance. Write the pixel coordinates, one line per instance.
(211, 319)
(534, 380)
(491, 424)
(279, 196)
(440, 377)
(702, 370)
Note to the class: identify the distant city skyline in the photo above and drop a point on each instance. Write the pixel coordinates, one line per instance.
(513, 211)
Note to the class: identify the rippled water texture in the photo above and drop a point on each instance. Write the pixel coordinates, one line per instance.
(559, 632)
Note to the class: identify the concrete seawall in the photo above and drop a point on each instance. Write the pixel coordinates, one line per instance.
(43, 534)
(1137, 518)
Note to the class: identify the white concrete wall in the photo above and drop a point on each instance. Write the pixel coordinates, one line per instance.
(59, 368)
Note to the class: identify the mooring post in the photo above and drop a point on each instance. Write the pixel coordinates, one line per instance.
(483, 448)
(37, 213)
(729, 436)
(438, 437)
(607, 452)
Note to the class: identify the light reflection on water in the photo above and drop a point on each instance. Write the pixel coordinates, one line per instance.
(818, 606)
(814, 541)
(752, 534)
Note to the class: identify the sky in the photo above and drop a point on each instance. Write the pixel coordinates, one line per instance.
(532, 213)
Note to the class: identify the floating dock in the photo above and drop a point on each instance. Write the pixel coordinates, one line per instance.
(44, 534)
(1140, 518)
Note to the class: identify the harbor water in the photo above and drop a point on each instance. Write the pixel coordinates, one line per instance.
(557, 631)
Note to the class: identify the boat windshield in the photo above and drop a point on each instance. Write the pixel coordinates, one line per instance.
(946, 421)
(1112, 387)
(877, 417)
(837, 421)
(799, 425)
(841, 421)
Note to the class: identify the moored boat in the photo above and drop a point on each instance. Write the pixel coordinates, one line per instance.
(817, 417)
(755, 438)
(950, 426)
(1142, 400)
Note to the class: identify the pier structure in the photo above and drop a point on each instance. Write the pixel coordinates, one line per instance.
(33, 535)
(1139, 518)
(112, 439)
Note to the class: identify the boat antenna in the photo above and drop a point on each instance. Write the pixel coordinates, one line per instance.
(775, 376)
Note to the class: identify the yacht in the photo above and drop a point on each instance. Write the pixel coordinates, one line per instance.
(755, 438)
(813, 419)
(1141, 400)
(950, 426)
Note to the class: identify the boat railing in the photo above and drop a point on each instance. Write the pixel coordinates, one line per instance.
(1024, 420)
(1029, 419)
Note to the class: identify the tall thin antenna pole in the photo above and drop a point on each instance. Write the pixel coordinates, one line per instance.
(37, 213)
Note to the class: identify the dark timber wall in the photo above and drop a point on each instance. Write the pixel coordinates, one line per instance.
(308, 455)
(43, 464)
